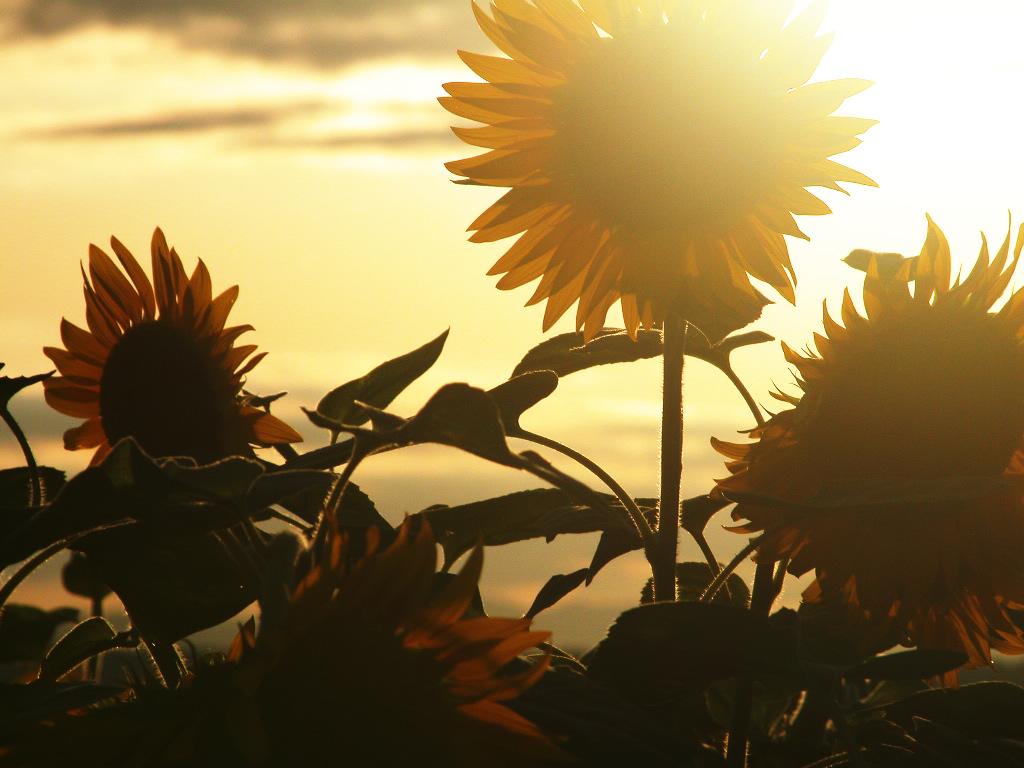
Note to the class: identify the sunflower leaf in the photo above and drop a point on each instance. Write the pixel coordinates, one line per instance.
(541, 513)
(377, 388)
(9, 386)
(567, 353)
(989, 710)
(555, 589)
(673, 648)
(915, 664)
(84, 640)
(520, 393)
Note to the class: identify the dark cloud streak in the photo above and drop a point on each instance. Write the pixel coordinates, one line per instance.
(319, 33)
(179, 122)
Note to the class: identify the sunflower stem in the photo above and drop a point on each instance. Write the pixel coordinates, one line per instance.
(737, 382)
(636, 516)
(663, 554)
(761, 599)
(30, 459)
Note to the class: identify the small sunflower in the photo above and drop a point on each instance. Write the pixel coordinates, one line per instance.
(157, 363)
(379, 649)
(920, 397)
(656, 152)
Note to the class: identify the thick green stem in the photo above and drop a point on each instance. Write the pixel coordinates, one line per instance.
(636, 516)
(663, 554)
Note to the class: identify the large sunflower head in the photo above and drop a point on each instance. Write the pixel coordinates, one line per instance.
(656, 151)
(921, 400)
(157, 363)
(382, 655)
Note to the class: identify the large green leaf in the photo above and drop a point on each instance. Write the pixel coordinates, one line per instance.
(378, 388)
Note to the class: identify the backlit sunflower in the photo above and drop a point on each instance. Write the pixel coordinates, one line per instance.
(157, 363)
(373, 664)
(920, 401)
(656, 152)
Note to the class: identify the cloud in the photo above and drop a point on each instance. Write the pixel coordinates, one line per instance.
(320, 33)
(256, 127)
(399, 139)
(180, 122)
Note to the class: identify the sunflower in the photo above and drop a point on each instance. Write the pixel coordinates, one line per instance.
(385, 645)
(914, 415)
(157, 363)
(368, 664)
(656, 152)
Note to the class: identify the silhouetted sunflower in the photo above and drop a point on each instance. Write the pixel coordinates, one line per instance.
(157, 363)
(383, 648)
(656, 152)
(921, 403)
(369, 664)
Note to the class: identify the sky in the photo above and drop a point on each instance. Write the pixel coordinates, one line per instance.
(298, 149)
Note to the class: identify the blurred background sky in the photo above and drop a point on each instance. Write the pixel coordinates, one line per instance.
(297, 148)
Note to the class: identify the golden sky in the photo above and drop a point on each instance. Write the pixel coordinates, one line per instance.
(297, 148)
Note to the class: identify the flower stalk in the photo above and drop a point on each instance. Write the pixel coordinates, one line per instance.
(663, 556)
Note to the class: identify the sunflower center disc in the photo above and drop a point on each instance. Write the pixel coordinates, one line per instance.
(654, 140)
(927, 396)
(160, 386)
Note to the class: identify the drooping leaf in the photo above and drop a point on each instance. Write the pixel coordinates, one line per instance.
(699, 510)
(465, 417)
(887, 263)
(555, 589)
(84, 640)
(541, 513)
(666, 649)
(377, 388)
(915, 664)
(567, 353)
(276, 487)
(16, 484)
(519, 394)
